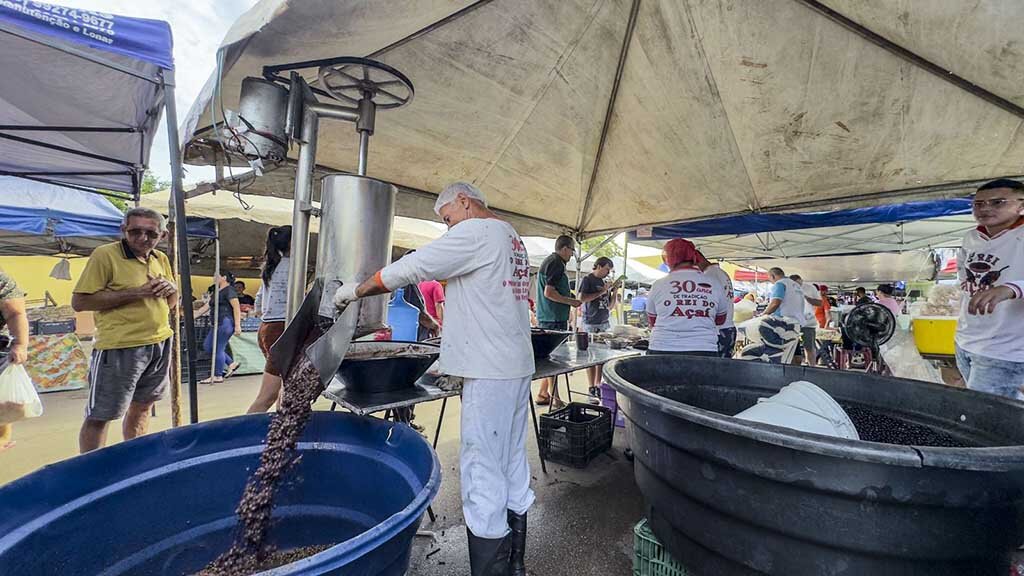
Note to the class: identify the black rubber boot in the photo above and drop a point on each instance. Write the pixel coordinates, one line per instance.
(517, 559)
(488, 556)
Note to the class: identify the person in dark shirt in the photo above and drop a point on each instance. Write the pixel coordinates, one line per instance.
(553, 302)
(861, 296)
(243, 298)
(598, 299)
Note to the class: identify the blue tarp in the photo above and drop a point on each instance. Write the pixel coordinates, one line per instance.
(33, 215)
(30, 207)
(756, 223)
(138, 38)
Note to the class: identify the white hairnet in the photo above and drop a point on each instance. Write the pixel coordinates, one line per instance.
(452, 191)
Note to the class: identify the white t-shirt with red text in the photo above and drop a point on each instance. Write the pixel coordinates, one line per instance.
(487, 311)
(985, 262)
(686, 305)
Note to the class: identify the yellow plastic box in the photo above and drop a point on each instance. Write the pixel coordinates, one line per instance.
(935, 334)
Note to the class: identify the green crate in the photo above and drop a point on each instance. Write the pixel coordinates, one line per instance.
(650, 557)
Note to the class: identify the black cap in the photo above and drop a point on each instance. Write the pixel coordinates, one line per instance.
(1001, 183)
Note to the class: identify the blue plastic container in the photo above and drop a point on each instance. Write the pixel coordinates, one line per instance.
(404, 318)
(164, 504)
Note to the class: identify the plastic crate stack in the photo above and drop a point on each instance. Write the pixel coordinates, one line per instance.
(575, 434)
(649, 557)
(202, 325)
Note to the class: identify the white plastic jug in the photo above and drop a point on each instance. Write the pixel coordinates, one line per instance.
(805, 407)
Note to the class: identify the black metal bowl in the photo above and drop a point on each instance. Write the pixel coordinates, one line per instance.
(545, 341)
(934, 487)
(371, 367)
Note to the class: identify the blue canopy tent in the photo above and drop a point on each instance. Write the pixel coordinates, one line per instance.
(881, 243)
(84, 95)
(757, 223)
(43, 219)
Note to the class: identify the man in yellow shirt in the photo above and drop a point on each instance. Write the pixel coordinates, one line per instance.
(131, 288)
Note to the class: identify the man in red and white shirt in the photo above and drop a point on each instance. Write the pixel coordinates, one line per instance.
(990, 268)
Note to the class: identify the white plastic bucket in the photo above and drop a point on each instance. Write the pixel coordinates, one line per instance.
(805, 407)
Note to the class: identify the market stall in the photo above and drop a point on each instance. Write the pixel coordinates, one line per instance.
(86, 95)
(596, 117)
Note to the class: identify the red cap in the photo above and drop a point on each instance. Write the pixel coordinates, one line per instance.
(822, 288)
(677, 251)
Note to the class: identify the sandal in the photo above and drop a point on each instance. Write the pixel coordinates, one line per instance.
(557, 403)
(231, 369)
(8, 445)
(542, 400)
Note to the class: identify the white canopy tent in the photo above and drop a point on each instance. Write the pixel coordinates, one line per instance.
(600, 115)
(243, 221)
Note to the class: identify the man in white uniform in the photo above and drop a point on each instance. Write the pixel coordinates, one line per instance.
(486, 342)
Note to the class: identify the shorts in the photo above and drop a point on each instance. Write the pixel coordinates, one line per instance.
(808, 335)
(266, 337)
(991, 375)
(726, 342)
(562, 326)
(122, 375)
(596, 328)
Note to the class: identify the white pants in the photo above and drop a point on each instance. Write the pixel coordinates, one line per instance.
(494, 472)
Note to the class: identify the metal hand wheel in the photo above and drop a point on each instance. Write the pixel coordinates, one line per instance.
(352, 79)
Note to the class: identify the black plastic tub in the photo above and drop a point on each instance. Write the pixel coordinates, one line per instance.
(545, 341)
(385, 366)
(731, 497)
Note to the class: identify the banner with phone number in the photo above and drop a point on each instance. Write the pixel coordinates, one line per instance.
(139, 38)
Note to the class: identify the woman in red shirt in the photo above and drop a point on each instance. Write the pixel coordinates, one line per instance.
(822, 312)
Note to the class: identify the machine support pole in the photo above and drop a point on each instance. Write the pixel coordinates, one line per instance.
(364, 150)
(303, 205)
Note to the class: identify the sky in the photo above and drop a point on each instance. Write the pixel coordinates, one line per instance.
(198, 27)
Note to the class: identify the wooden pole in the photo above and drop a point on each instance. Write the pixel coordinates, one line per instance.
(175, 374)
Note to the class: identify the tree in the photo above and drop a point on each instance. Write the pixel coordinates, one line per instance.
(150, 184)
(611, 249)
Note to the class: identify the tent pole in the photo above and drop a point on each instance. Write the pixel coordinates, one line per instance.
(625, 276)
(215, 319)
(181, 230)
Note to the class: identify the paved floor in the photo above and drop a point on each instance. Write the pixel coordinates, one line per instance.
(580, 525)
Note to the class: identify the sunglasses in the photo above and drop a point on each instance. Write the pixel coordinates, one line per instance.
(993, 203)
(142, 232)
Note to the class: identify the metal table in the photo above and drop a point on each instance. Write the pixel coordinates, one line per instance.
(565, 360)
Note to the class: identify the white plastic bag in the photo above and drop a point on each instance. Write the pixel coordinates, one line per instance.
(18, 397)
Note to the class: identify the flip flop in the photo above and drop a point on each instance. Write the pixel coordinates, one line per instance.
(231, 369)
(542, 400)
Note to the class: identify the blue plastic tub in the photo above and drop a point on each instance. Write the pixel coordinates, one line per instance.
(164, 504)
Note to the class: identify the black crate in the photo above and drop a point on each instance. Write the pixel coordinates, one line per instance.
(576, 434)
(55, 326)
